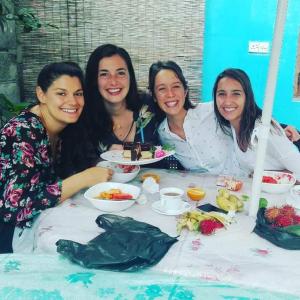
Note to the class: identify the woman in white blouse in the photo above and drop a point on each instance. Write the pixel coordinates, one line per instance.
(199, 143)
(239, 117)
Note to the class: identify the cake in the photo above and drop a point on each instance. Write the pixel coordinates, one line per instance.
(136, 150)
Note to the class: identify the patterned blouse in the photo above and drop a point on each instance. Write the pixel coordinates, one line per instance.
(28, 182)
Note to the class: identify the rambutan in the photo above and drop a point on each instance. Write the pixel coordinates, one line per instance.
(287, 210)
(209, 226)
(283, 221)
(296, 219)
(272, 213)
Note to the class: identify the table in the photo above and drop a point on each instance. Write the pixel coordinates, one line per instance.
(235, 255)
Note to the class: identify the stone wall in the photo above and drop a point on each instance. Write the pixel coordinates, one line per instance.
(9, 62)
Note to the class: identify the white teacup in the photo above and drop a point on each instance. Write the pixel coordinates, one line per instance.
(171, 198)
(295, 193)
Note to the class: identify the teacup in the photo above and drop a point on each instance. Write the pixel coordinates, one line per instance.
(295, 193)
(171, 198)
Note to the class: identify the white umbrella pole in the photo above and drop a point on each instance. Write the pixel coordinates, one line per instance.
(268, 106)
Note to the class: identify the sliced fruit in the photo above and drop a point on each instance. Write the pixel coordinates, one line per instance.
(196, 194)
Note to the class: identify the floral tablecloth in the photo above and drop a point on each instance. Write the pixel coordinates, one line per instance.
(235, 255)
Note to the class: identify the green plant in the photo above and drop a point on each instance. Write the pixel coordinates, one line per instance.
(25, 17)
(8, 109)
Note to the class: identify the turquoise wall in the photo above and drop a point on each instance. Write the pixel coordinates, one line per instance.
(229, 26)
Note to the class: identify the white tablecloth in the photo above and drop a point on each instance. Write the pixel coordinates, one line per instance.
(234, 255)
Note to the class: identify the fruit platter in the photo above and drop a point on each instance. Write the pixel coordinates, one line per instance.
(275, 182)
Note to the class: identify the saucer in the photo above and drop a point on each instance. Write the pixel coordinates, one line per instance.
(291, 201)
(156, 206)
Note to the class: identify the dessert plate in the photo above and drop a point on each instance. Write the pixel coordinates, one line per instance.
(116, 156)
(156, 206)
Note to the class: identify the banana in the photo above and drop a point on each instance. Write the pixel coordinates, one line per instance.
(192, 224)
(223, 218)
(225, 204)
(198, 215)
(181, 224)
(224, 193)
(229, 202)
(192, 219)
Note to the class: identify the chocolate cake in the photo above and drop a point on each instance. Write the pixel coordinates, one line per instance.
(137, 150)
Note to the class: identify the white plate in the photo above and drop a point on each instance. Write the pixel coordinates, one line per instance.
(116, 156)
(291, 201)
(156, 206)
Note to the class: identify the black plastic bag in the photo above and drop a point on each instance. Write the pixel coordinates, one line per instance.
(126, 245)
(277, 236)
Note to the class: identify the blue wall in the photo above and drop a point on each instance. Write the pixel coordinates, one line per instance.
(229, 26)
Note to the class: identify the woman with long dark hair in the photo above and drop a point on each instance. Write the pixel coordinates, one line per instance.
(30, 155)
(240, 118)
(115, 111)
(199, 144)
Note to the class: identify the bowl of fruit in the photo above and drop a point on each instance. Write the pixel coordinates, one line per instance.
(112, 196)
(122, 173)
(276, 182)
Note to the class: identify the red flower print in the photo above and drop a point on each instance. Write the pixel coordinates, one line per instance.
(44, 153)
(13, 196)
(53, 189)
(24, 214)
(9, 131)
(27, 154)
(35, 179)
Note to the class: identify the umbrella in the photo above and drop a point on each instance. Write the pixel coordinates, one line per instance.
(264, 129)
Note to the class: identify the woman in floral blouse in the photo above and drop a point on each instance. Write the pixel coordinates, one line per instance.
(30, 147)
(115, 111)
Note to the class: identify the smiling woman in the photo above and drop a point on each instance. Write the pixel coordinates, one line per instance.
(30, 148)
(239, 117)
(192, 130)
(115, 110)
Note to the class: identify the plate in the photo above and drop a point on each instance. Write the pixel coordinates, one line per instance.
(293, 202)
(156, 206)
(116, 156)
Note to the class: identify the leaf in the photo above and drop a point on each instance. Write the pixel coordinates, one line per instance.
(263, 202)
(293, 229)
(168, 147)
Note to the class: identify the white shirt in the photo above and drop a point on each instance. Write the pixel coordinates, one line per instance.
(206, 147)
(281, 153)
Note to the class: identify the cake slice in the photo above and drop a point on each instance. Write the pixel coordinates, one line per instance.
(136, 150)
